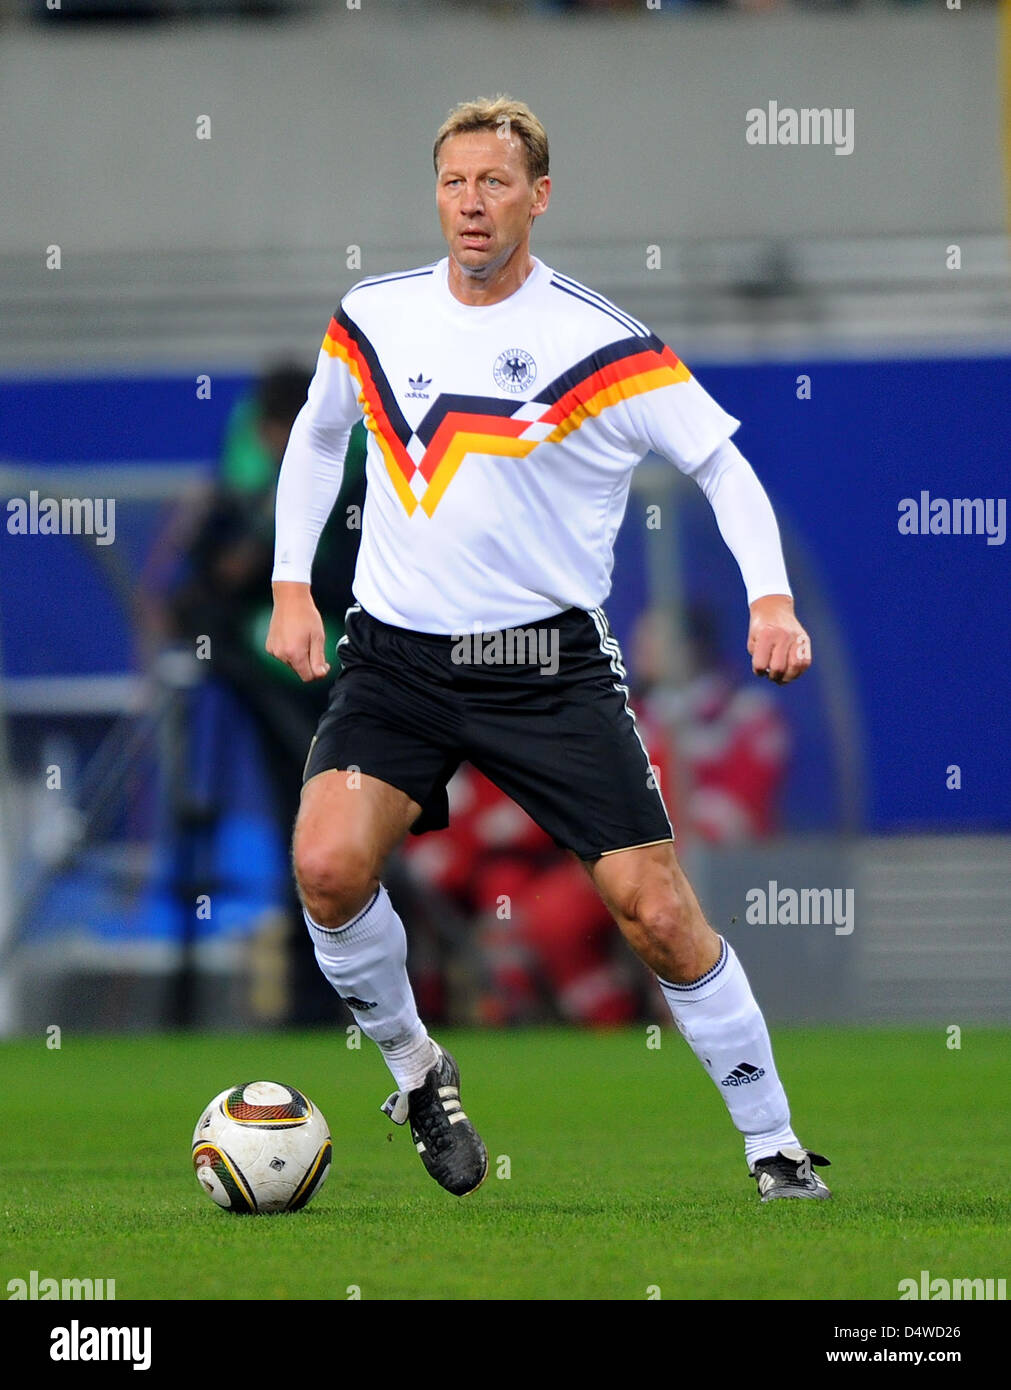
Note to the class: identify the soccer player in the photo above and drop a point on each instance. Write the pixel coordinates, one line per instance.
(507, 406)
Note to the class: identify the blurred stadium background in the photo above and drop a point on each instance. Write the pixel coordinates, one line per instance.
(854, 312)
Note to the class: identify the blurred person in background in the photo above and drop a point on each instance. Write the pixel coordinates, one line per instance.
(223, 594)
(727, 739)
(228, 562)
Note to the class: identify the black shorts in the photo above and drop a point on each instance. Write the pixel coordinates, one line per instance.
(540, 710)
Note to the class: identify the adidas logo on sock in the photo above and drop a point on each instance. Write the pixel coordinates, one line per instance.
(359, 1005)
(743, 1075)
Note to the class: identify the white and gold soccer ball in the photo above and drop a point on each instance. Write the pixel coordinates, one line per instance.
(261, 1148)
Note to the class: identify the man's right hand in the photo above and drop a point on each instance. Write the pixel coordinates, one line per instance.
(296, 634)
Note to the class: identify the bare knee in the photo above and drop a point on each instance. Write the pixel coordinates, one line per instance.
(334, 881)
(668, 930)
(660, 912)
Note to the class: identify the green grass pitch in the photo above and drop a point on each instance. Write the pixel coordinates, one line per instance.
(626, 1175)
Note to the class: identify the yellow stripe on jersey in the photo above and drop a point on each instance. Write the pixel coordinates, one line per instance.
(462, 444)
(618, 391)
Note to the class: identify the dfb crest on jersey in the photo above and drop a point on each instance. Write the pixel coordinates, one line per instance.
(515, 370)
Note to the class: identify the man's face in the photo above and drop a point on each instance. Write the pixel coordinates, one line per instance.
(485, 199)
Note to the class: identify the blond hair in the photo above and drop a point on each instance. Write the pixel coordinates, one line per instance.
(500, 113)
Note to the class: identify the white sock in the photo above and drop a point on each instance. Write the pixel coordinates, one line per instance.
(724, 1027)
(366, 962)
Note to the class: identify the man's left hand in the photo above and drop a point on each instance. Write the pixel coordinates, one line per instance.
(779, 646)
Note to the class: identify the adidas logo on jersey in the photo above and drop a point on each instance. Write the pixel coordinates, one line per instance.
(419, 387)
(743, 1075)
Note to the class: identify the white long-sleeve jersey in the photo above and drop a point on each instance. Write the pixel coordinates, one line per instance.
(501, 445)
